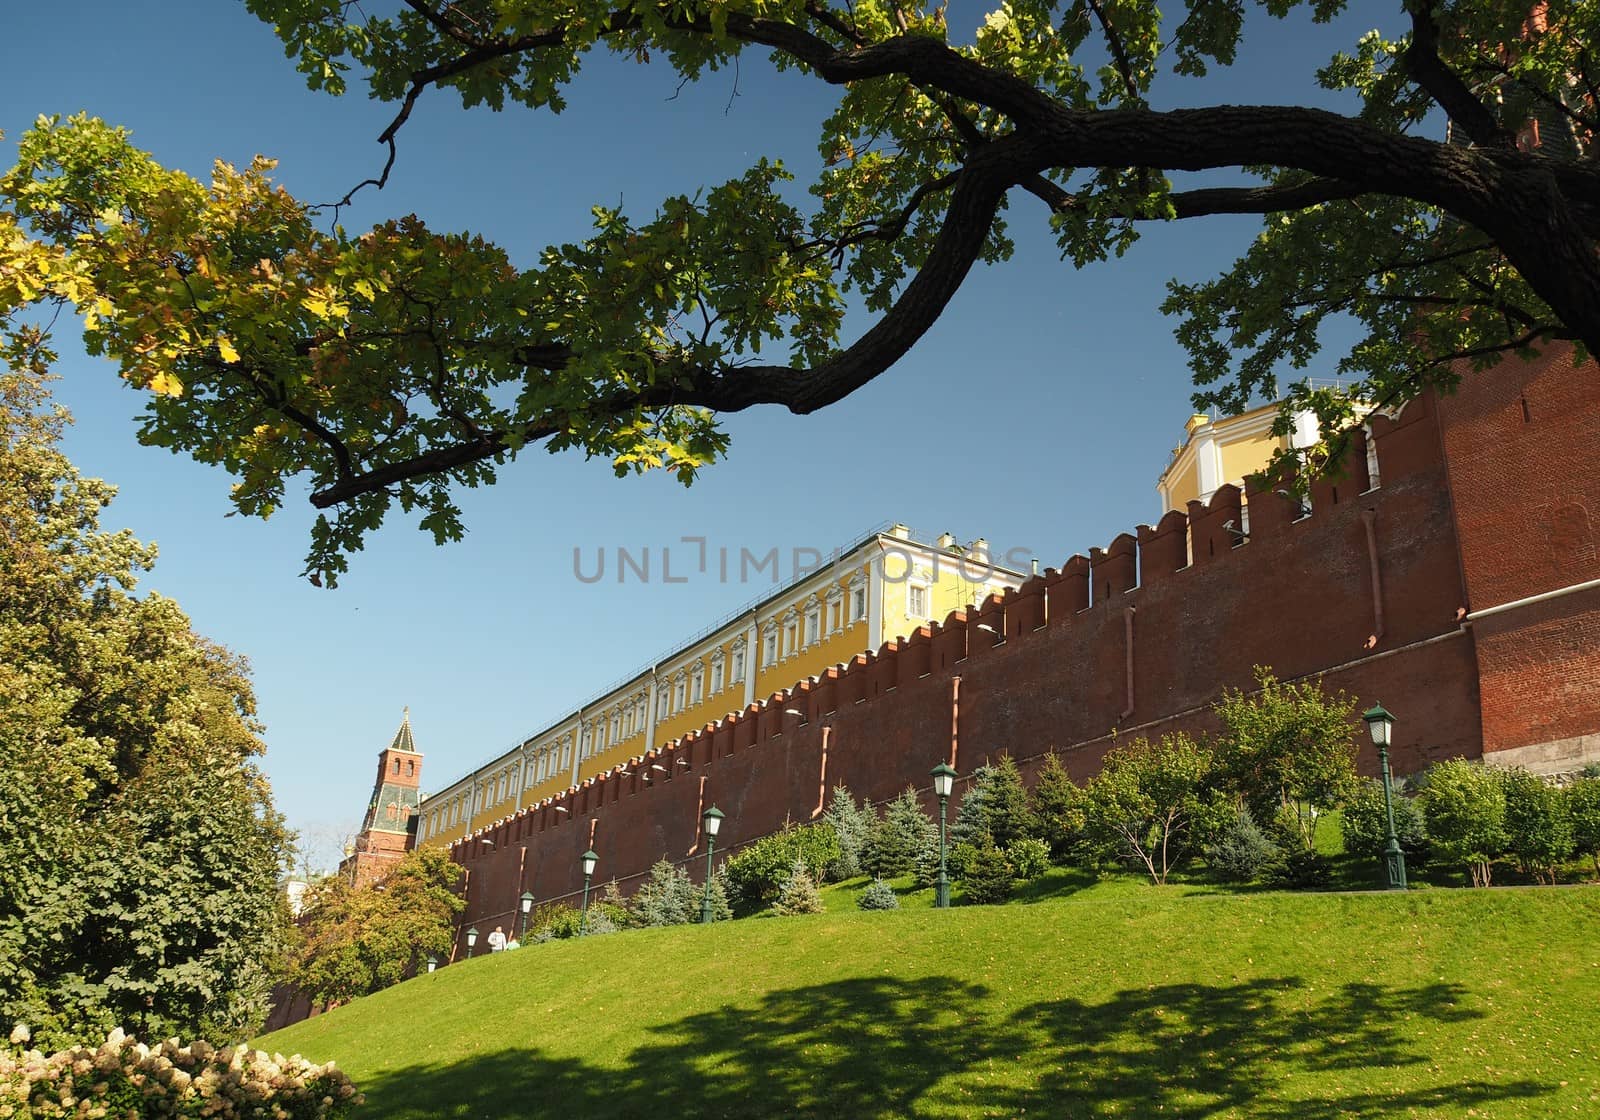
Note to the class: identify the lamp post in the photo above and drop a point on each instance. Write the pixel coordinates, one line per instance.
(713, 821)
(944, 780)
(527, 905)
(472, 939)
(589, 859)
(433, 962)
(1380, 724)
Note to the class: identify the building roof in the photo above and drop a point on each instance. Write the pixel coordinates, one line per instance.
(402, 738)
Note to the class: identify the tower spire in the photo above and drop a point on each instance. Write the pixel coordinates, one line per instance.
(402, 738)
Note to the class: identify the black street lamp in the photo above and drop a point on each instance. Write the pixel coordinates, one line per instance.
(944, 780)
(472, 939)
(527, 905)
(433, 962)
(1381, 724)
(713, 821)
(589, 858)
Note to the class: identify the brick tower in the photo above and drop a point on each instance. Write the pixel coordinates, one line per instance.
(389, 830)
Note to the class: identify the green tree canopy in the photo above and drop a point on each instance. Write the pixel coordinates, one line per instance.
(400, 364)
(356, 939)
(140, 854)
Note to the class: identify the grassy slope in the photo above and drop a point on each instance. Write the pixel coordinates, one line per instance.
(1126, 1001)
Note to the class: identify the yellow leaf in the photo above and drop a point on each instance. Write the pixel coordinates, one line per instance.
(166, 385)
(225, 348)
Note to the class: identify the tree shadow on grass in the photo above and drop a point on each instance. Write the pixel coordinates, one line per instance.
(893, 1048)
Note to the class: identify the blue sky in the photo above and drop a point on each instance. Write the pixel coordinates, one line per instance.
(1037, 414)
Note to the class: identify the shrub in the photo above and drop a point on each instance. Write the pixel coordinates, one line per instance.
(899, 839)
(1538, 824)
(1029, 858)
(799, 894)
(988, 877)
(126, 1078)
(554, 923)
(878, 896)
(1583, 804)
(852, 824)
(1465, 808)
(756, 874)
(1289, 748)
(1301, 869)
(1366, 830)
(1058, 810)
(1241, 852)
(995, 805)
(1150, 802)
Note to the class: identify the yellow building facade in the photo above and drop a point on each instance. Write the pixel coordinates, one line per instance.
(884, 587)
(1219, 452)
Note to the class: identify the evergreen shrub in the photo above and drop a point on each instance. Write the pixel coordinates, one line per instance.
(799, 894)
(1241, 852)
(1029, 857)
(989, 878)
(878, 896)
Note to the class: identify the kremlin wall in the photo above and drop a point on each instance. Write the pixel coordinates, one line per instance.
(1452, 573)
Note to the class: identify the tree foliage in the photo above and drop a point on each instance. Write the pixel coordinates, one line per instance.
(1288, 752)
(1058, 810)
(852, 824)
(1538, 823)
(356, 939)
(401, 364)
(1465, 806)
(139, 849)
(1152, 803)
(1583, 803)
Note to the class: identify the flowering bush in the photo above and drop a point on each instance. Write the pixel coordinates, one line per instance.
(127, 1080)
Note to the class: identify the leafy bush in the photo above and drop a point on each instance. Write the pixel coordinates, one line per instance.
(125, 1078)
(899, 839)
(1538, 824)
(1150, 803)
(1583, 804)
(1465, 807)
(1241, 852)
(852, 824)
(554, 923)
(799, 894)
(1366, 830)
(878, 896)
(1029, 858)
(1288, 748)
(995, 805)
(1058, 810)
(988, 877)
(756, 873)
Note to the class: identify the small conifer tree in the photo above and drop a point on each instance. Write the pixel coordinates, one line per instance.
(899, 839)
(878, 896)
(995, 805)
(852, 823)
(666, 898)
(988, 877)
(1058, 810)
(799, 894)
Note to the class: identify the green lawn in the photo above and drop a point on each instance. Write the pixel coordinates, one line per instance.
(1116, 1000)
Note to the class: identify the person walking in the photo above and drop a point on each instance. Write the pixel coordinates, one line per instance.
(497, 940)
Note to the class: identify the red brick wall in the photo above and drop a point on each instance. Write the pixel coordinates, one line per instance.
(1299, 596)
(1523, 450)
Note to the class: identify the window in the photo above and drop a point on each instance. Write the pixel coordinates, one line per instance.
(858, 604)
(397, 766)
(738, 660)
(769, 648)
(697, 683)
(663, 698)
(616, 724)
(791, 632)
(813, 625)
(411, 769)
(835, 615)
(679, 692)
(916, 600)
(716, 677)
